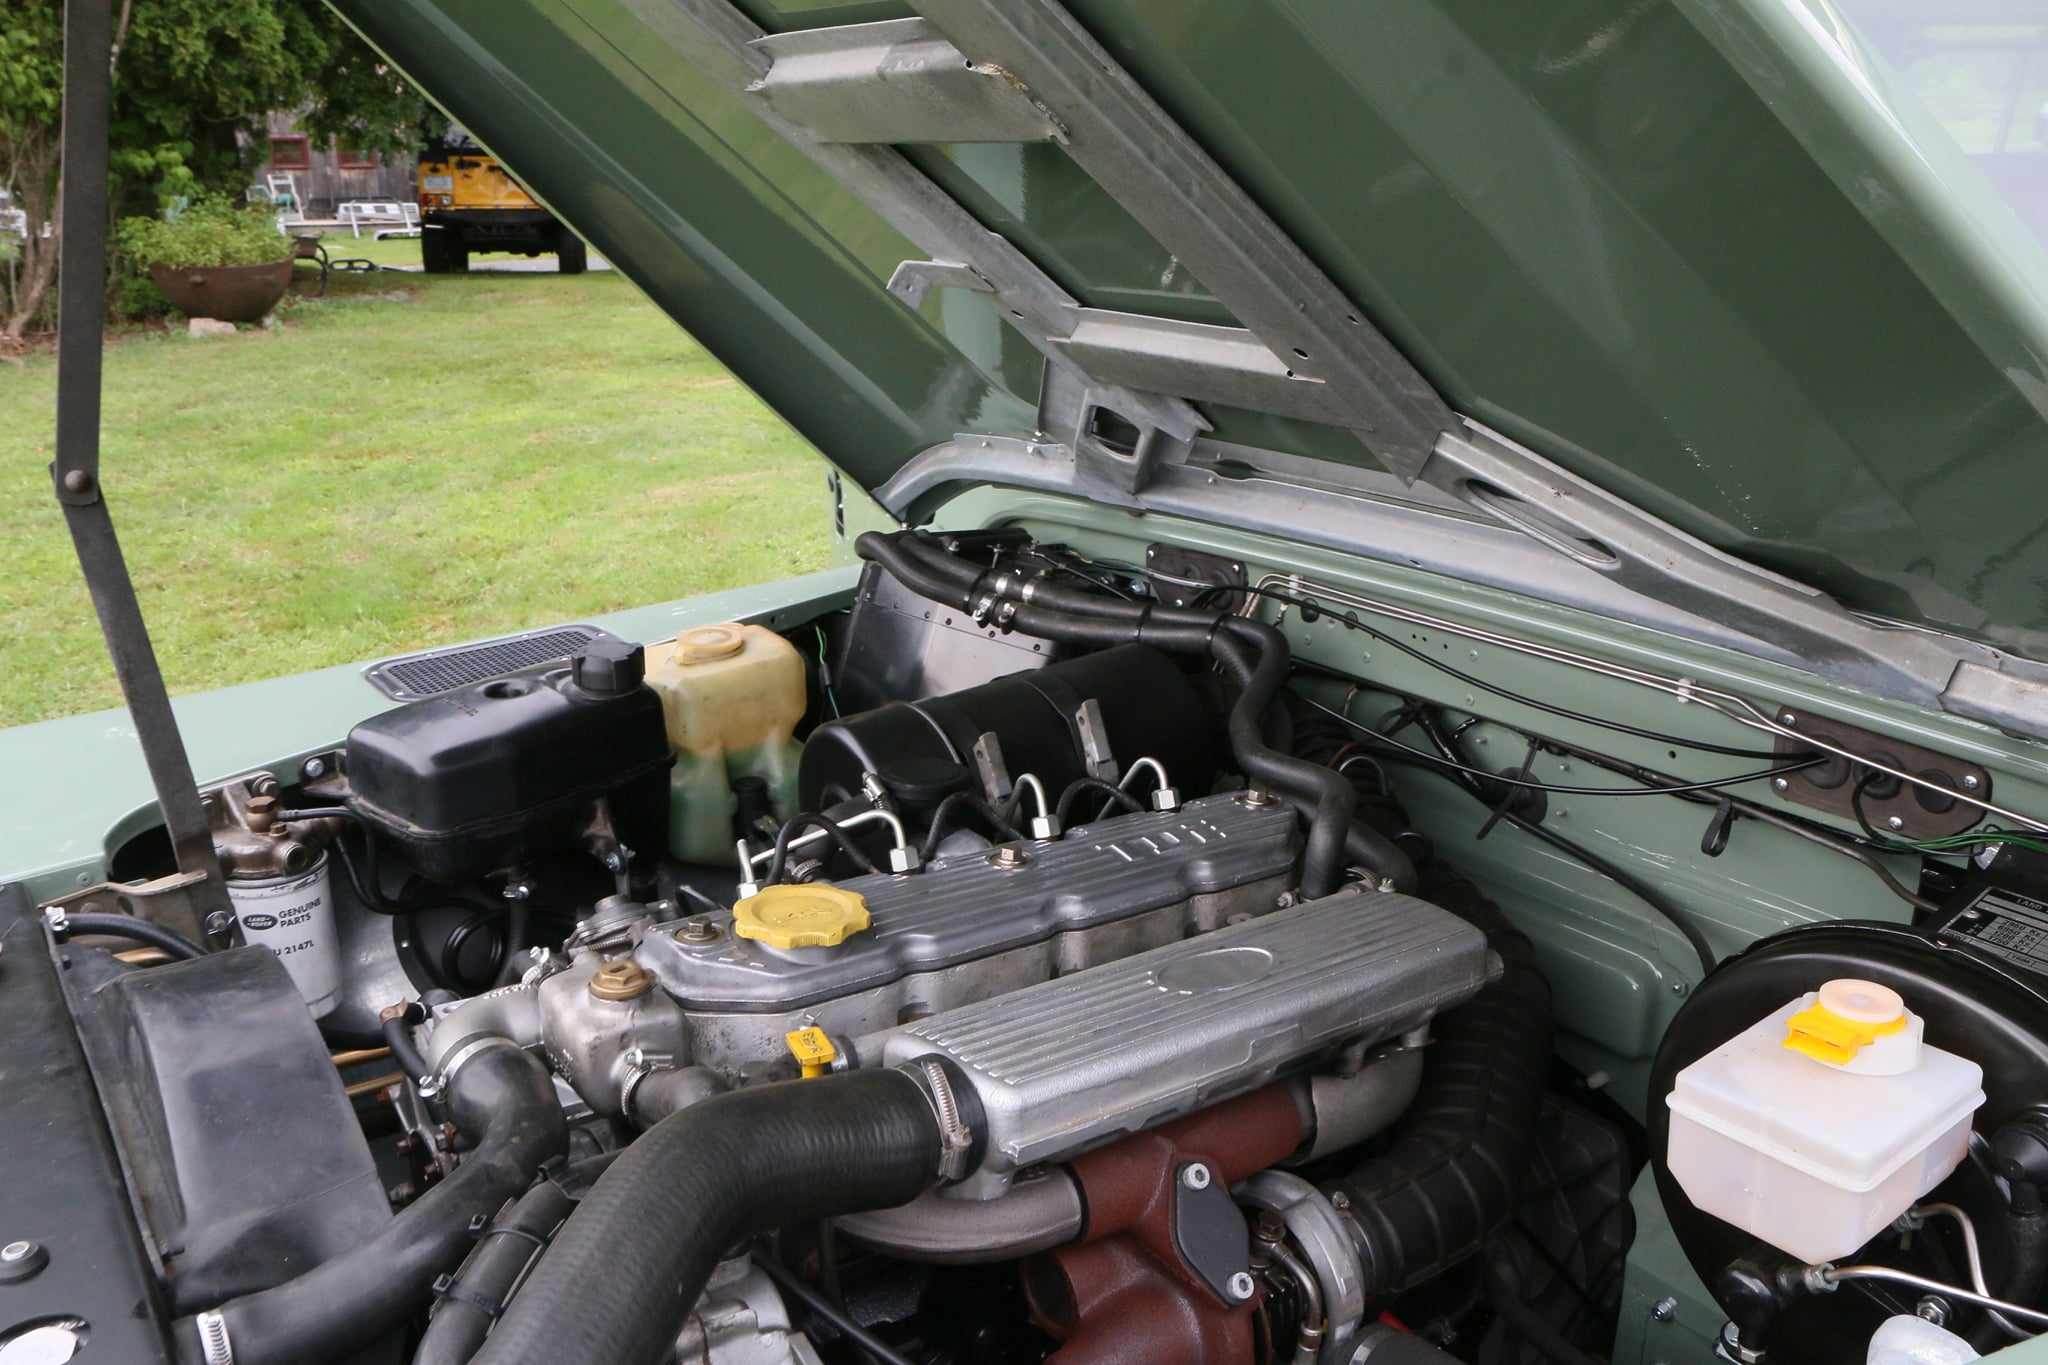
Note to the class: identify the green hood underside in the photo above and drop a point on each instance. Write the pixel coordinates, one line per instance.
(1717, 258)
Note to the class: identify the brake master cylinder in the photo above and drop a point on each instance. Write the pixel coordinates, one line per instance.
(1821, 1123)
(732, 696)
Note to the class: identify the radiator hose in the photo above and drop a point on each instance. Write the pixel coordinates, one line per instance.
(620, 1278)
(1253, 653)
(496, 1094)
(1452, 1175)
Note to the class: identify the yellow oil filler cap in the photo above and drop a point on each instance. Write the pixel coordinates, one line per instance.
(812, 1049)
(708, 644)
(1846, 1016)
(818, 915)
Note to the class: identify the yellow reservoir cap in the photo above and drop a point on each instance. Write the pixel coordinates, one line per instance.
(1846, 1017)
(704, 644)
(812, 1049)
(814, 916)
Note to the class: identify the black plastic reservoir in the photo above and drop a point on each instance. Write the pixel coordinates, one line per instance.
(497, 772)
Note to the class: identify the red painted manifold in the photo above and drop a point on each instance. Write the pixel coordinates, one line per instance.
(1122, 1294)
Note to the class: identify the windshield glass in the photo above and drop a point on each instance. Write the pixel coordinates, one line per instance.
(1980, 68)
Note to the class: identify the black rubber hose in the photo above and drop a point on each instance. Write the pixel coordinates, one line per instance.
(627, 1267)
(478, 1293)
(1452, 1176)
(131, 927)
(1082, 786)
(398, 1024)
(942, 819)
(1254, 653)
(1504, 1292)
(505, 1100)
(803, 821)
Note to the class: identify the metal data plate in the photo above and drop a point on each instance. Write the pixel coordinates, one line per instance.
(964, 908)
(1072, 1063)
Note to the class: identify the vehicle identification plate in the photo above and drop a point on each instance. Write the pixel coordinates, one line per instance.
(437, 182)
(2005, 924)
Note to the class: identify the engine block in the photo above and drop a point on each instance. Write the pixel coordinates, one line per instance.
(977, 925)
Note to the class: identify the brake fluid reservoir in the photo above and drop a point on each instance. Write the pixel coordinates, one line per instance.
(732, 695)
(1822, 1122)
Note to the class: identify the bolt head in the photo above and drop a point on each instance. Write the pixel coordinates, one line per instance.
(22, 1260)
(1664, 1309)
(1254, 797)
(1242, 1286)
(698, 929)
(1195, 1176)
(1895, 823)
(1781, 784)
(76, 481)
(1009, 855)
(217, 923)
(1969, 782)
(313, 767)
(1787, 718)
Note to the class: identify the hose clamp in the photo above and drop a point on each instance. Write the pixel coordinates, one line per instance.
(640, 1064)
(463, 1053)
(956, 1142)
(214, 1346)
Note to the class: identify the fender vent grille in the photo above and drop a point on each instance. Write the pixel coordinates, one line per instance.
(439, 670)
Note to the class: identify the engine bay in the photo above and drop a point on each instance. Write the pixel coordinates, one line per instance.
(1051, 957)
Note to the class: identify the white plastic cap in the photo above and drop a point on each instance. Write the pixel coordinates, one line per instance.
(1862, 1002)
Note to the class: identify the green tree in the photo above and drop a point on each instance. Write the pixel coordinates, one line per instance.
(193, 81)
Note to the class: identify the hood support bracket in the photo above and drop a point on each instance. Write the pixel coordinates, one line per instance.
(81, 309)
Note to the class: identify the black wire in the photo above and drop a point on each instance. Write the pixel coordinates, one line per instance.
(1350, 622)
(1112, 794)
(830, 1312)
(1680, 790)
(1863, 851)
(958, 801)
(1463, 777)
(825, 822)
(135, 929)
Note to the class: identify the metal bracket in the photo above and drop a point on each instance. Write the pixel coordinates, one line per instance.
(845, 96)
(1148, 163)
(1094, 732)
(913, 280)
(1890, 805)
(896, 81)
(175, 902)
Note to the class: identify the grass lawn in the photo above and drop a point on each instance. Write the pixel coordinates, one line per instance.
(410, 461)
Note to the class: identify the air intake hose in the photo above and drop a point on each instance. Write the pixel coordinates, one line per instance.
(497, 1094)
(1252, 652)
(622, 1275)
(1453, 1173)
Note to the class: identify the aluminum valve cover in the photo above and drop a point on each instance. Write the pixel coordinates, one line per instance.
(968, 907)
(1071, 1063)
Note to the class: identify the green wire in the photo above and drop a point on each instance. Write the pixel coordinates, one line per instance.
(825, 672)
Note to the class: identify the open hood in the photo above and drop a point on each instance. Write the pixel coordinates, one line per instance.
(1695, 296)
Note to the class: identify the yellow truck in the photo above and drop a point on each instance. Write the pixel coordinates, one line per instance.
(469, 204)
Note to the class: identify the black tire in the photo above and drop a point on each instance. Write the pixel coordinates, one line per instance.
(572, 255)
(434, 250)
